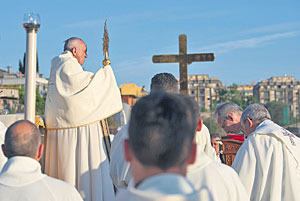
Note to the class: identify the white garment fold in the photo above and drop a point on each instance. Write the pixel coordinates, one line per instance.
(164, 187)
(22, 179)
(267, 164)
(221, 180)
(203, 139)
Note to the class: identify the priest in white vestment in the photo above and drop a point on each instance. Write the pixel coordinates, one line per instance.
(268, 162)
(221, 180)
(203, 140)
(119, 168)
(76, 102)
(21, 177)
(158, 121)
(3, 159)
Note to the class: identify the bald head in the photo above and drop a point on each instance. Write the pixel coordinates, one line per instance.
(22, 138)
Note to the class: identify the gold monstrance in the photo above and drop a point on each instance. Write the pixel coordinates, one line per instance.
(103, 123)
(105, 39)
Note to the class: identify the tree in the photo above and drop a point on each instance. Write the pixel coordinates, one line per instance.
(22, 65)
(39, 103)
(276, 110)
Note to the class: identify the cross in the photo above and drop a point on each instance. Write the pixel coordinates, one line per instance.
(183, 59)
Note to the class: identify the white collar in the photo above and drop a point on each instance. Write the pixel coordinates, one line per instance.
(20, 171)
(167, 184)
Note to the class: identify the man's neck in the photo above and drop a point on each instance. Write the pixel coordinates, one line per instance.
(143, 172)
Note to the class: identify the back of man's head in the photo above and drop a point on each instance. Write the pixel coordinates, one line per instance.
(164, 82)
(22, 138)
(71, 43)
(161, 130)
(223, 109)
(256, 112)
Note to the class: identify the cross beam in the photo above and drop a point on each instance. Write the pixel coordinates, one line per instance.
(183, 59)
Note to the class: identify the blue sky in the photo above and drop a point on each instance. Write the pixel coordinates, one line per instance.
(252, 40)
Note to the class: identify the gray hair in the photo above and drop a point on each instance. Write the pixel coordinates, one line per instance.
(223, 109)
(256, 112)
(164, 82)
(21, 141)
(71, 43)
(161, 130)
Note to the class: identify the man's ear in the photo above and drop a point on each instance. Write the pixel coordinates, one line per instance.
(193, 154)
(229, 116)
(251, 123)
(3, 150)
(127, 151)
(74, 51)
(40, 152)
(199, 126)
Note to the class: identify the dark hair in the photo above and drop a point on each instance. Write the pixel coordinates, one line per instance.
(22, 142)
(161, 130)
(214, 135)
(164, 82)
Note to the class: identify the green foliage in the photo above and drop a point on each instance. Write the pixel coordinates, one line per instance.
(213, 127)
(22, 96)
(233, 95)
(276, 110)
(22, 65)
(39, 104)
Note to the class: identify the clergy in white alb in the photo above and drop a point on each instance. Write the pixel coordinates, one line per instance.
(158, 122)
(165, 187)
(21, 177)
(76, 102)
(221, 180)
(3, 159)
(203, 140)
(119, 168)
(268, 161)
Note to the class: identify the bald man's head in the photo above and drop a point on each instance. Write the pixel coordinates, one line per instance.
(22, 138)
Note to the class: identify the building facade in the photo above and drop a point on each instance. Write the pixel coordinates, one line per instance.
(283, 89)
(204, 89)
(130, 93)
(9, 100)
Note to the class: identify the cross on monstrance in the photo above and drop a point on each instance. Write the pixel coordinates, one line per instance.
(183, 59)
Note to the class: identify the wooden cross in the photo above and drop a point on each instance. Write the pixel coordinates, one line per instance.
(183, 59)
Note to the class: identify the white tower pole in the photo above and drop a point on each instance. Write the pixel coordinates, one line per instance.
(31, 26)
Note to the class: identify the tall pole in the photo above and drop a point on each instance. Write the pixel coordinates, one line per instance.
(31, 25)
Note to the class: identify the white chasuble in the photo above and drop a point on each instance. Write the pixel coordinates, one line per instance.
(268, 164)
(221, 180)
(22, 179)
(119, 168)
(164, 187)
(77, 100)
(203, 139)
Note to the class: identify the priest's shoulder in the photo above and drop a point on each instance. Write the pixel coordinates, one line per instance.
(64, 57)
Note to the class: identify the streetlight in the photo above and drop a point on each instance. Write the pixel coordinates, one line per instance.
(31, 25)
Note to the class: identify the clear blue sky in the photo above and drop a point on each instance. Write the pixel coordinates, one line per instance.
(252, 40)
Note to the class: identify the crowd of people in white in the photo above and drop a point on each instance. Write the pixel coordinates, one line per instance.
(164, 152)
